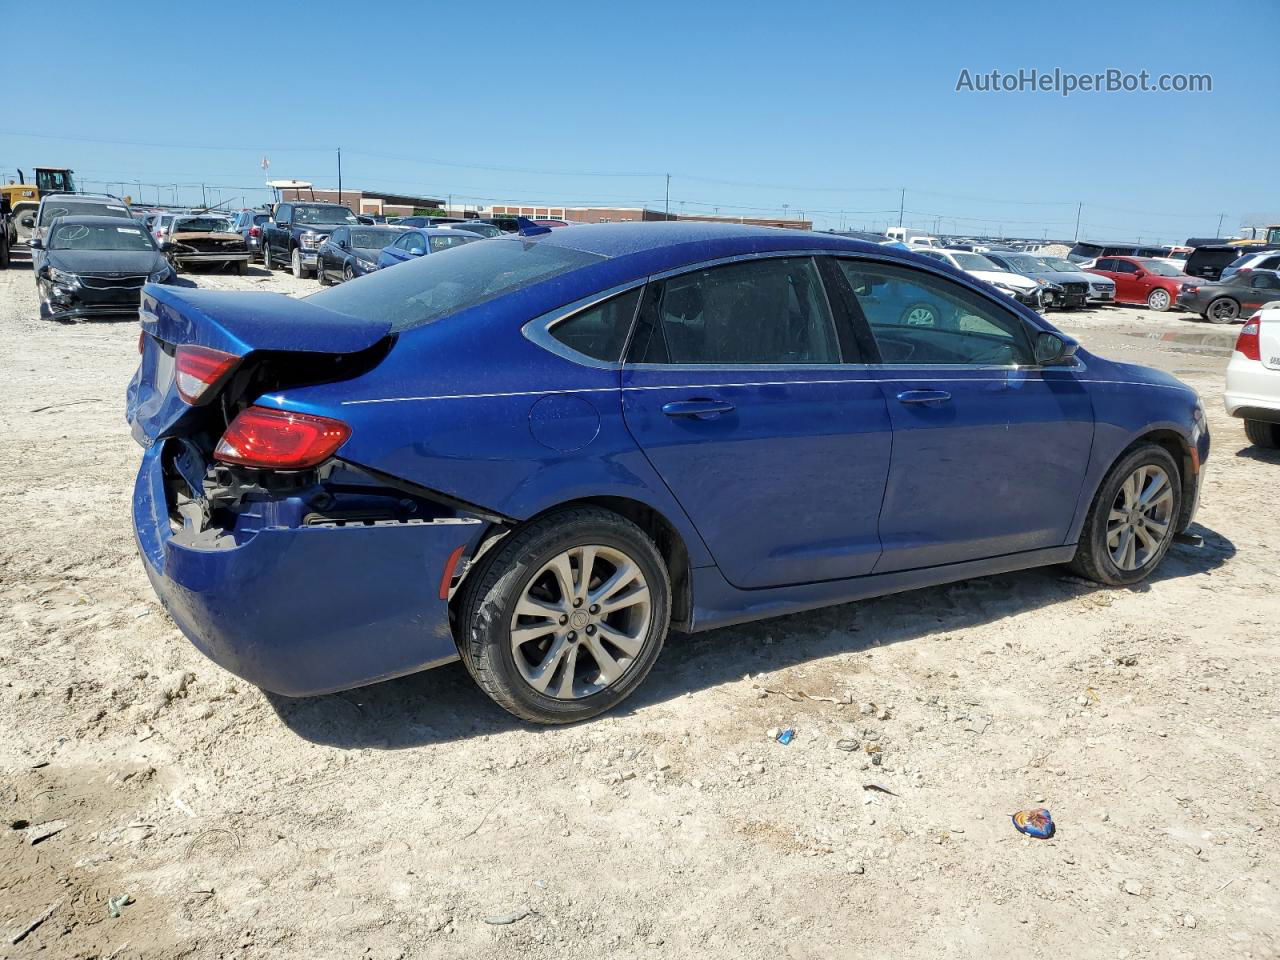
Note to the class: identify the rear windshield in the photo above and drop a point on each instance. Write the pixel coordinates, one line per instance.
(201, 225)
(53, 209)
(421, 291)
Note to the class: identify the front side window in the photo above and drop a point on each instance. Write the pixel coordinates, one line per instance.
(917, 318)
(1124, 266)
(339, 236)
(771, 311)
(283, 212)
(600, 331)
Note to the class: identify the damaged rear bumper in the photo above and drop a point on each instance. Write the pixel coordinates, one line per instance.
(305, 610)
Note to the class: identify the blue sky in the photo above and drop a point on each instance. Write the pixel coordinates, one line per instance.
(829, 109)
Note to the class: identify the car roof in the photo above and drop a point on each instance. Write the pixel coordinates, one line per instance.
(90, 221)
(707, 240)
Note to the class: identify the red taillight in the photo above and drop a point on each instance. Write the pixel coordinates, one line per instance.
(255, 231)
(1249, 342)
(142, 341)
(199, 368)
(280, 440)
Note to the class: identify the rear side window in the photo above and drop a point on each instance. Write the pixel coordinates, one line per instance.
(422, 291)
(771, 311)
(601, 331)
(438, 243)
(1265, 281)
(921, 319)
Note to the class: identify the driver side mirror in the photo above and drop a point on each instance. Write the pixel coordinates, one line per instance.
(416, 251)
(1054, 349)
(35, 244)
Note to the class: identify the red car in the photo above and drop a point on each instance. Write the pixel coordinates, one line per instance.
(1141, 280)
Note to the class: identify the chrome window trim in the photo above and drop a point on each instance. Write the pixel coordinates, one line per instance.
(538, 329)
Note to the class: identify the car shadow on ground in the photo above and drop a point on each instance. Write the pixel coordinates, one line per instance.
(444, 704)
(1260, 454)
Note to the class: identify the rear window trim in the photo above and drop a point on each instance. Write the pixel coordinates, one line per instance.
(538, 330)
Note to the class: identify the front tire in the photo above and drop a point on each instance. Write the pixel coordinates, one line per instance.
(1159, 300)
(566, 617)
(1133, 519)
(348, 273)
(320, 274)
(1262, 434)
(299, 271)
(266, 256)
(1222, 310)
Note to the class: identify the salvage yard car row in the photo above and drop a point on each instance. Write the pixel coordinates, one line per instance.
(634, 360)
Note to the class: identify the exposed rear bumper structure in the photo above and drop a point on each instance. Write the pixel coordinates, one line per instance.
(305, 610)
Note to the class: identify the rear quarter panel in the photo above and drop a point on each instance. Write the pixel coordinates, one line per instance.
(470, 408)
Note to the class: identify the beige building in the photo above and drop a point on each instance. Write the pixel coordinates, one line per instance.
(624, 214)
(365, 201)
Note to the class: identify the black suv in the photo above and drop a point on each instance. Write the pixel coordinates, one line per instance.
(296, 230)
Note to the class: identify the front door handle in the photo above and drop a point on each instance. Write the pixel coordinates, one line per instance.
(924, 396)
(699, 408)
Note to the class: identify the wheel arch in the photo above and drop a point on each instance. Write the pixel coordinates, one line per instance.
(1184, 455)
(664, 534)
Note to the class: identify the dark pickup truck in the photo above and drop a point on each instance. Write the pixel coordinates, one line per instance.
(295, 231)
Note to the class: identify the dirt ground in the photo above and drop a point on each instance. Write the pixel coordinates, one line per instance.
(415, 819)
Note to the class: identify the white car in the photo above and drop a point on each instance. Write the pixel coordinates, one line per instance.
(1253, 377)
(1266, 260)
(1023, 289)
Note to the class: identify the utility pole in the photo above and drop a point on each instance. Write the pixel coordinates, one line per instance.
(666, 210)
(339, 175)
(902, 202)
(204, 197)
(1220, 219)
(1079, 207)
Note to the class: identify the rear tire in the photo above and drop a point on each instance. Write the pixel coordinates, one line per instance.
(1159, 300)
(1131, 508)
(565, 671)
(1222, 310)
(1263, 434)
(242, 267)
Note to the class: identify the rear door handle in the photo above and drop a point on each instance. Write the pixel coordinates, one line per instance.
(699, 408)
(924, 396)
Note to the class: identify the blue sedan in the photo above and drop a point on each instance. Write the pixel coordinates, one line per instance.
(418, 243)
(539, 454)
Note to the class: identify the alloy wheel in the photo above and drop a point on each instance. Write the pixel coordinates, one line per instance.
(1141, 518)
(1223, 309)
(920, 315)
(348, 273)
(581, 622)
(1158, 300)
(297, 263)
